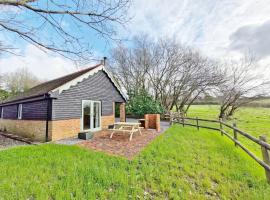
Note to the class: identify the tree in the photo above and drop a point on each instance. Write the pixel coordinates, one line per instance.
(142, 103)
(60, 26)
(171, 73)
(20, 81)
(131, 64)
(242, 86)
(4, 94)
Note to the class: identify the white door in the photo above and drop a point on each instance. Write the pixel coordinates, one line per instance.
(91, 115)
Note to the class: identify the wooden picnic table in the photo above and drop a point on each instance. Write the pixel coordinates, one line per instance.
(126, 127)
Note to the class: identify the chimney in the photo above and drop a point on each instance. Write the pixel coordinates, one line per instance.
(104, 61)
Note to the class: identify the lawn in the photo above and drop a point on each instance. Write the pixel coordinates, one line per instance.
(182, 163)
(255, 121)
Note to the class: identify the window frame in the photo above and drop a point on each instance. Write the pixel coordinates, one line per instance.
(19, 112)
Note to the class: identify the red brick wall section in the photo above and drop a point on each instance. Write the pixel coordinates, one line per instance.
(152, 121)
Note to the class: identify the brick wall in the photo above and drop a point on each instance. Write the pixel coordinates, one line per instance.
(33, 129)
(60, 129)
(106, 121)
(152, 121)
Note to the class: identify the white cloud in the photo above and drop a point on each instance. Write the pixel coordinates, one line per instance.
(204, 24)
(252, 38)
(44, 66)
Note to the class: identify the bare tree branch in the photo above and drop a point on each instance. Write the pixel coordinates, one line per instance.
(38, 18)
(241, 87)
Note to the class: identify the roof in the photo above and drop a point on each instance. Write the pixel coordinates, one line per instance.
(55, 84)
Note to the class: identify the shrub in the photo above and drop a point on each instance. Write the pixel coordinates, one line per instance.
(142, 103)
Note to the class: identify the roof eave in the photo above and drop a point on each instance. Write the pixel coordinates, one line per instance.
(44, 96)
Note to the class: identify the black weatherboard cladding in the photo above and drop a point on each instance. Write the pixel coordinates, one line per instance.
(98, 87)
(35, 110)
(10, 112)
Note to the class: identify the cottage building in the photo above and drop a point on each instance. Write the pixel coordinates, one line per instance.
(61, 108)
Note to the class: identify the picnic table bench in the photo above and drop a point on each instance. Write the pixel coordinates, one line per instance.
(126, 127)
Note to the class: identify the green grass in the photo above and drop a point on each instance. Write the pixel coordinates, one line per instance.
(255, 121)
(182, 163)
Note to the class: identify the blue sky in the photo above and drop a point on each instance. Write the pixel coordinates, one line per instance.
(222, 29)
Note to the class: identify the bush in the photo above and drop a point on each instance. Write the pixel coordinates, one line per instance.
(142, 103)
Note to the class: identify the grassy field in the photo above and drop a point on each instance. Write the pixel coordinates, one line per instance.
(255, 121)
(182, 163)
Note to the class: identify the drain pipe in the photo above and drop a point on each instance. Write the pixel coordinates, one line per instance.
(48, 117)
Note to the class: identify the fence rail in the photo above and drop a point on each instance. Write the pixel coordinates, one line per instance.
(262, 141)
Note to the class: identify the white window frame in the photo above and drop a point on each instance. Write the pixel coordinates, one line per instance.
(91, 102)
(20, 111)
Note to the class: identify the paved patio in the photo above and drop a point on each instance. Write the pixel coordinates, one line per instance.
(120, 144)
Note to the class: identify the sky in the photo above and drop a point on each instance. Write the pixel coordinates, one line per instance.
(222, 29)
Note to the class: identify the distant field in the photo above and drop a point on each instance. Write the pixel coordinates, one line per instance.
(267, 100)
(255, 121)
(265, 103)
(260, 103)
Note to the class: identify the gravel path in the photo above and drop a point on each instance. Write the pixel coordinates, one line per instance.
(8, 142)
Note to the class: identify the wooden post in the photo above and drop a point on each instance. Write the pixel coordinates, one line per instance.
(266, 157)
(197, 123)
(220, 126)
(122, 112)
(234, 133)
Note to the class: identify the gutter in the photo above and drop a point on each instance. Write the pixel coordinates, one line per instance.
(27, 99)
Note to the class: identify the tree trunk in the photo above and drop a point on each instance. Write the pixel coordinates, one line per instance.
(232, 111)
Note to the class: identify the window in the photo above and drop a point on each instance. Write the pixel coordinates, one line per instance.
(20, 111)
(2, 112)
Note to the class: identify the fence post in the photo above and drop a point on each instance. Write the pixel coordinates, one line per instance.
(197, 123)
(266, 157)
(220, 126)
(234, 133)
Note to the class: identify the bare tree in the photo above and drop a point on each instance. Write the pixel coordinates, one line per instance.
(202, 75)
(165, 73)
(131, 64)
(173, 74)
(242, 86)
(19, 81)
(62, 26)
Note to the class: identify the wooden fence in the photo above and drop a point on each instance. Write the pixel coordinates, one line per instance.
(262, 141)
